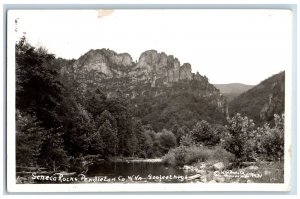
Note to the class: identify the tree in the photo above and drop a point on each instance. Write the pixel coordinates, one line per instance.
(105, 115)
(238, 141)
(110, 139)
(53, 155)
(272, 139)
(96, 144)
(39, 95)
(38, 89)
(117, 114)
(179, 132)
(131, 145)
(142, 140)
(29, 139)
(77, 125)
(138, 133)
(107, 129)
(167, 140)
(203, 133)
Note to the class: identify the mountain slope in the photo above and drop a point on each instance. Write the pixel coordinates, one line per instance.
(262, 101)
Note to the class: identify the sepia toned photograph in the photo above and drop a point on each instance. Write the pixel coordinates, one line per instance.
(150, 97)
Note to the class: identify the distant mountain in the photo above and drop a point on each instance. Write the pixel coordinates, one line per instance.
(262, 101)
(233, 87)
(159, 90)
(230, 91)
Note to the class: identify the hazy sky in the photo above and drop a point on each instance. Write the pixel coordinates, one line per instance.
(227, 46)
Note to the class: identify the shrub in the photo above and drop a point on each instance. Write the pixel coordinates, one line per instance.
(188, 155)
(198, 154)
(203, 133)
(169, 158)
(272, 139)
(239, 139)
(77, 164)
(179, 132)
(222, 155)
(167, 140)
(186, 140)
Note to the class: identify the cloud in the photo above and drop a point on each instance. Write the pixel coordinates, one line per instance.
(104, 13)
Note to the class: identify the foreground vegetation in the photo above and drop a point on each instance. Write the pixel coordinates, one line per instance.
(242, 141)
(242, 145)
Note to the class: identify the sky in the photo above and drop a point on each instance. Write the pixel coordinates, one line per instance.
(228, 46)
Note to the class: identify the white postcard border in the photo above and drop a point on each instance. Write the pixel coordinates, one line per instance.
(136, 187)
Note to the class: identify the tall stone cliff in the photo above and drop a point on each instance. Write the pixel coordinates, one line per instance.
(158, 70)
(153, 66)
(105, 61)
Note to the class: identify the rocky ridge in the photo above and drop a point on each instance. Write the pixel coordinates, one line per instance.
(154, 78)
(152, 66)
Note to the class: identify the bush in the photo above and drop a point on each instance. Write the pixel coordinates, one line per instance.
(179, 132)
(188, 155)
(77, 164)
(186, 140)
(222, 155)
(167, 140)
(272, 139)
(198, 154)
(169, 158)
(203, 133)
(239, 140)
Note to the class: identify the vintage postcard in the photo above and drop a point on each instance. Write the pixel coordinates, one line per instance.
(114, 100)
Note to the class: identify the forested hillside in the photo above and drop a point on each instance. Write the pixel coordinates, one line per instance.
(262, 101)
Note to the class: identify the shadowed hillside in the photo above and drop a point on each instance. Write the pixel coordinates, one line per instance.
(262, 101)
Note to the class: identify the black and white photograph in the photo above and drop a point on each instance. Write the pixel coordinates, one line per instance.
(150, 98)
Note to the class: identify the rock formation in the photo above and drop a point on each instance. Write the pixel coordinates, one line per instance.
(105, 61)
(158, 70)
(151, 67)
